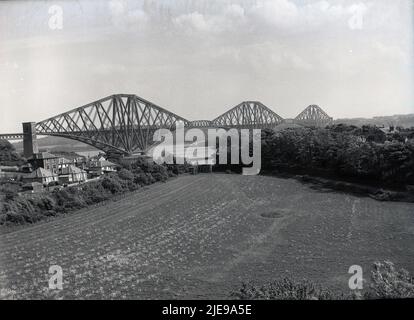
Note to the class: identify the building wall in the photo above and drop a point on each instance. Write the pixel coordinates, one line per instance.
(51, 164)
(43, 180)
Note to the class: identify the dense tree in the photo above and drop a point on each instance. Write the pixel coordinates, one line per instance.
(8, 155)
(347, 151)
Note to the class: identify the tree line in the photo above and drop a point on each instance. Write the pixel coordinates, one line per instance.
(365, 153)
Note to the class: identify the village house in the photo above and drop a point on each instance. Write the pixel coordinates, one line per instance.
(45, 160)
(41, 175)
(52, 162)
(63, 163)
(99, 157)
(72, 174)
(72, 158)
(100, 167)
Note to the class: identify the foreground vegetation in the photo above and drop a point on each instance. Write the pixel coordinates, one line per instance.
(18, 208)
(387, 282)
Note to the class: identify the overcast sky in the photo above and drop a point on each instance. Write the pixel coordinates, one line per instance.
(198, 58)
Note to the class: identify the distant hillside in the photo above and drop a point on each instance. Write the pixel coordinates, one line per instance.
(405, 121)
(55, 144)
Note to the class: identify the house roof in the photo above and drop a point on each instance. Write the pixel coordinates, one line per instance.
(41, 173)
(98, 157)
(75, 169)
(70, 156)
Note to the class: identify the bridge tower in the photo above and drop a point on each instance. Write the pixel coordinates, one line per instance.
(29, 139)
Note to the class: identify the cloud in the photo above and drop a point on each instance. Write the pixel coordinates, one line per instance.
(109, 68)
(392, 52)
(228, 19)
(286, 15)
(274, 16)
(279, 13)
(234, 11)
(209, 53)
(125, 18)
(116, 7)
(193, 22)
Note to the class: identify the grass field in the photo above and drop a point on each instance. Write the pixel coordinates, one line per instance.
(201, 236)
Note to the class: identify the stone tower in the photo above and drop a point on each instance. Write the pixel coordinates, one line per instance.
(29, 139)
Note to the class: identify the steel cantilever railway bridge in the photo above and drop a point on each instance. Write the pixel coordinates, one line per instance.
(125, 123)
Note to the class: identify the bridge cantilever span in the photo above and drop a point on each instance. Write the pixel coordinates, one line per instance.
(122, 123)
(313, 116)
(125, 123)
(249, 114)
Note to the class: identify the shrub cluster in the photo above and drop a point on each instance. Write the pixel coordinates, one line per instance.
(21, 209)
(284, 289)
(387, 282)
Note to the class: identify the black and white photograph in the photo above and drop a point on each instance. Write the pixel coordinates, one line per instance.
(207, 150)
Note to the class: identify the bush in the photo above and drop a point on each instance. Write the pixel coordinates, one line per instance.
(10, 189)
(14, 218)
(94, 192)
(111, 183)
(69, 198)
(142, 179)
(284, 289)
(386, 283)
(125, 174)
(390, 283)
(160, 173)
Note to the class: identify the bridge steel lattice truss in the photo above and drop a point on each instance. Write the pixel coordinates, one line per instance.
(125, 123)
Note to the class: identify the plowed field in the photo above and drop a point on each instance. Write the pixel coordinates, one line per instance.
(201, 236)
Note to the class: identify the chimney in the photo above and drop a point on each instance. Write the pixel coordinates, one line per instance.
(29, 139)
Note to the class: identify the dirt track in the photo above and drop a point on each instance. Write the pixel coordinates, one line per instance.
(200, 236)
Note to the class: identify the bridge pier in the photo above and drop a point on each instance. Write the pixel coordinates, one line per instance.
(29, 139)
